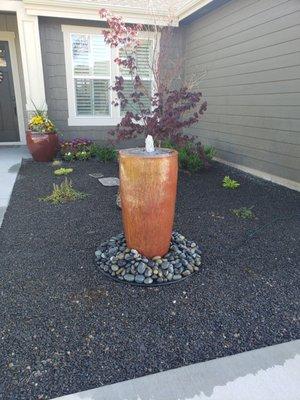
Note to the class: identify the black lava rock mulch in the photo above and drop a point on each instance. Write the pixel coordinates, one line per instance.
(66, 328)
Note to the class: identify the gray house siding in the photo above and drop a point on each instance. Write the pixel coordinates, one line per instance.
(53, 57)
(249, 53)
(55, 78)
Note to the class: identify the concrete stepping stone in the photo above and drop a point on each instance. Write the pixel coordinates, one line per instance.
(96, 175)
(110, 181)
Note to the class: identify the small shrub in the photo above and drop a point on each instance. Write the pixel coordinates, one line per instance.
(68, 156)
(210, 152)
(229, 183)
(75, 145)
(84, 149)
(106, 154)
(63, 193)
(189, 159)
(243, 212)
(194, 162)
(56, 163)
(188, 156)
(83, 155)
(182, 157)
(93, 148)
(63, 171)
(167, 143)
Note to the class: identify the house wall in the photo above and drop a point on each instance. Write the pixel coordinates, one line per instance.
(55, 78)
(249, 52)
(54, 68)
(8, 23)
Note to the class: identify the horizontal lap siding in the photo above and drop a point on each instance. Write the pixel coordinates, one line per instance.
(248, 54)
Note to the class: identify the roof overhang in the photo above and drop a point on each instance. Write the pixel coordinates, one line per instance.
(191, 7)
(89, 10)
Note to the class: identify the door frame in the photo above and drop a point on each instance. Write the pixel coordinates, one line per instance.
(10, 38)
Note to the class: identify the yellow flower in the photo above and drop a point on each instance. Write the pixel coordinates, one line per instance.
(41, 123)
(36, 120)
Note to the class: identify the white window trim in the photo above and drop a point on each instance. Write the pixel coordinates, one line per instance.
(73, 119)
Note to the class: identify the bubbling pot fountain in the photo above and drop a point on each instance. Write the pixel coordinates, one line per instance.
(149, 252)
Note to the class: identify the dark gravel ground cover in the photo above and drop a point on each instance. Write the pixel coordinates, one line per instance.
(66, 328)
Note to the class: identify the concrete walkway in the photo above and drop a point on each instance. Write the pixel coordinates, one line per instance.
(10, 161)
(271, 373)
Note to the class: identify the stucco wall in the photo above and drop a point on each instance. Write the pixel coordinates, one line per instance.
(250, 54)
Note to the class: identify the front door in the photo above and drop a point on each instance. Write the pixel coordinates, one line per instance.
(9, 131)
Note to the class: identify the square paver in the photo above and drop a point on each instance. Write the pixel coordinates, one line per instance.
(110, 181)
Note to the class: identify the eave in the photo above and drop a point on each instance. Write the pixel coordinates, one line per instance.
(191, 7)
(90, 11)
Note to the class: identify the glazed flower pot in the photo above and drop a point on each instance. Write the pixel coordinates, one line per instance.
(42, 146)
(148, 184)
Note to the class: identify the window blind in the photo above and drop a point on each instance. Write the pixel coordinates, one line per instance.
(92, 75)
(92, 96)
(142, 57)
(145, 99)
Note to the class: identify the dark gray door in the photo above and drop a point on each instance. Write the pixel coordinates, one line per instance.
(9, 131)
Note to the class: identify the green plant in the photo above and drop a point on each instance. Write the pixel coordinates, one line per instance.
(182, 157)
(106, 154)
(229, 183)
(75, 145)
(63, 193)
(68, 156)
(63, 171)
(167, 143)
(83, 155)
(56, 163)
(243, 212)
(93, 149)
(188, 156)
(210, 152)
(189, 159)
(194, 162)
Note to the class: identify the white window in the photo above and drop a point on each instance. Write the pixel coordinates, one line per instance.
(91, 71)
(143, 58)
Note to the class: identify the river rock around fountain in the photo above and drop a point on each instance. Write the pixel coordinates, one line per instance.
(128, 265)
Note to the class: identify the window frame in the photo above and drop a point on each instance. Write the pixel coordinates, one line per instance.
(115, 115)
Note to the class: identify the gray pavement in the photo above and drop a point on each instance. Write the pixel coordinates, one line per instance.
(270, 373)
(10, 161)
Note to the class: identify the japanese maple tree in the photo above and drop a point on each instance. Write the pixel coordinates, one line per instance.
(163, 113)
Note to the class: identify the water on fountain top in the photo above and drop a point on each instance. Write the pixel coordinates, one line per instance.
(141, 151)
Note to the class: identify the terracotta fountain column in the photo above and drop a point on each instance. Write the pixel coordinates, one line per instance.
(148, 183)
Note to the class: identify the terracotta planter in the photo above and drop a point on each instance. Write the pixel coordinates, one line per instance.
(42, 146)
(148, 186)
